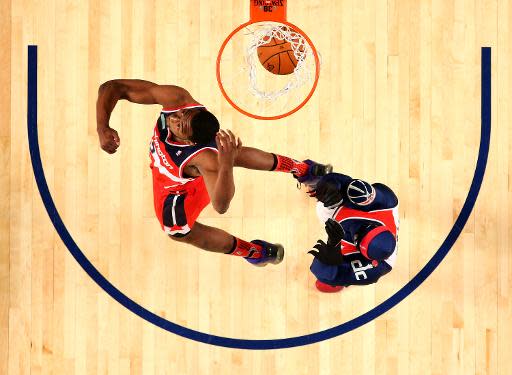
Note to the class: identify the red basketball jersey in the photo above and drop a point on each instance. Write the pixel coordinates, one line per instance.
(169, 158)
(387, 217)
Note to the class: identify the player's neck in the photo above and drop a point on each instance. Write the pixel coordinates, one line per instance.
(175, 138)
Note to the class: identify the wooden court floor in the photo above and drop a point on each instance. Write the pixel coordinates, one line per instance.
(398, 102)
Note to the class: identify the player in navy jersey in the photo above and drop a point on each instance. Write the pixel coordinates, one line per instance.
(192, 162)
(361, 221)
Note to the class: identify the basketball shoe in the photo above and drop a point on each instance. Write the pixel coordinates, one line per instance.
(326, 288)
(272, 253)
(313, 174)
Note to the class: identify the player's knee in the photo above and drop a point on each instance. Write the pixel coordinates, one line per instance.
(221, 207)
(191, 237)
(186, 238)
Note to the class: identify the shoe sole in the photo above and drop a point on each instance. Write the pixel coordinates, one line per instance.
(318, 172)
(278, 259)
(327, 170)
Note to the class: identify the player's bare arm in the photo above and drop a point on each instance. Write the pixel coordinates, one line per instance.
(217, 169)
(135, 91)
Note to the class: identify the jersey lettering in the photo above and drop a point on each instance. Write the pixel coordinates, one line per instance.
(169, 158)
(358, 268)
(163, 159)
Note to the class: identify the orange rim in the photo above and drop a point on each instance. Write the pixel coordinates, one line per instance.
(258, 117)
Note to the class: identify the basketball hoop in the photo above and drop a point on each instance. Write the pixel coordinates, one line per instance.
(252, 83)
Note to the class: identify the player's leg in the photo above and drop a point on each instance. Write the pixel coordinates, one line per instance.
(178, 213)
(216, 240)
(305, 171)
(207, 238)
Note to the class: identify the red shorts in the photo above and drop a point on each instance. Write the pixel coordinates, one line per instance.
(177, 211)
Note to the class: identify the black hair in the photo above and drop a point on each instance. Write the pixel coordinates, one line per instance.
(204, 126)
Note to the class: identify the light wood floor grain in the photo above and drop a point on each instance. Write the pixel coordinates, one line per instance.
(398, 102)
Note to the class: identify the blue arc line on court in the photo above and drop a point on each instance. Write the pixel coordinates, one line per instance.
(350, 325)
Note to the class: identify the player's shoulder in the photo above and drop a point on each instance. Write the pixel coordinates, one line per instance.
(386, 195)
(171, 96)
(204, 156)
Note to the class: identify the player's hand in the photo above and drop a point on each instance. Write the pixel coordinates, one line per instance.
(109, 139)
(228, 146)
(334, 231)
(328, 191)
(327, 254)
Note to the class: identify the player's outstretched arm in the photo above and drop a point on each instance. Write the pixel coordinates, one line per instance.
(217, 170)
(135, 91)
(253, 158)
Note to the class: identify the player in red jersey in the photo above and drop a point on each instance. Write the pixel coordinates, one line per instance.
(192, 164)
(361, 221)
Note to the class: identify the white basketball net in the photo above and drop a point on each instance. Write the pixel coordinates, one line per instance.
(253, 88)
(302, 73)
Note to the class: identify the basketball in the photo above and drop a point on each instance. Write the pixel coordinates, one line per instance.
(277, 56)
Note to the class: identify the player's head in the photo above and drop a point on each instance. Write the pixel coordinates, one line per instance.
(375, 241)
(196, 125)
(204, 127)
